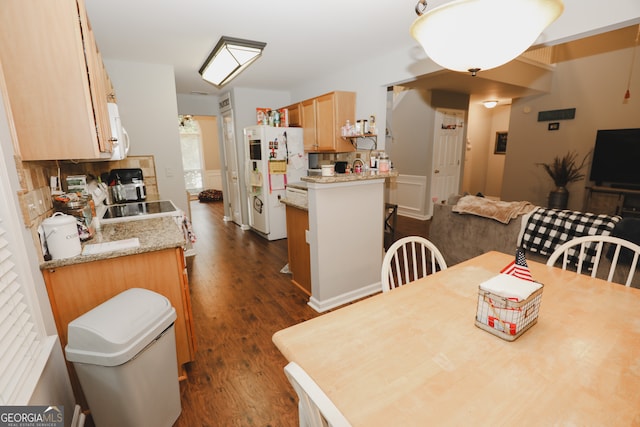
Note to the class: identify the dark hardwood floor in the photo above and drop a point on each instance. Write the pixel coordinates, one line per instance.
(240, 299)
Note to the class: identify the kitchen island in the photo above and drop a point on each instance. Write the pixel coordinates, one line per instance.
(76, 285)
(346, 236)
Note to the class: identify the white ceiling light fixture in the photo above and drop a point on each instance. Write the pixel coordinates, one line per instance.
(229, 58)
(490, 104)
(474, 35)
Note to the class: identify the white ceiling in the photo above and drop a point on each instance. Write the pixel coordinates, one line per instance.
(304, 39)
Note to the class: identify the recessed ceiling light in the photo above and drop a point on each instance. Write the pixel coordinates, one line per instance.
(490, 104)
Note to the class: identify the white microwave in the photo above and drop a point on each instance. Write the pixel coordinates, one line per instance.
(119, 136)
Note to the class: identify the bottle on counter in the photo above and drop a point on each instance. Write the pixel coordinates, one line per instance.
(346, 129)
(383, 163)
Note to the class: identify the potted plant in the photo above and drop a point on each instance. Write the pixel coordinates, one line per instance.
(563, 170)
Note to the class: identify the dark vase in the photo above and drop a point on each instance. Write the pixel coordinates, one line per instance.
(558, 198)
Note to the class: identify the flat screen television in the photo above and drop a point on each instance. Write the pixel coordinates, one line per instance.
(616, 158)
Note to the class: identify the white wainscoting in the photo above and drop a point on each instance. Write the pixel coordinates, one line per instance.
(213, 179)
(409, 193)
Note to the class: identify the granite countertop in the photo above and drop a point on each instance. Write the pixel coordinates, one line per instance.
(349, 177)
(154, 234)
(298, 184)
(304, 207)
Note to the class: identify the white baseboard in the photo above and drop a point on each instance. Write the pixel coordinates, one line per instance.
(78, 417)
(413, 215)
(347, 297)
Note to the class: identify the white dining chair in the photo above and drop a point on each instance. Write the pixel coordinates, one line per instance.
(574, 255)
(409, 259)
(315, 409)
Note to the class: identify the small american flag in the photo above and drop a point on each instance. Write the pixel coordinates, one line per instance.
(518, 267)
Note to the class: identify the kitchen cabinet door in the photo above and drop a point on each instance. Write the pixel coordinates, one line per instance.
(332, 111)
(308, 115)
(96, 73)
(299, 255)
(295, 119)
(54, 81)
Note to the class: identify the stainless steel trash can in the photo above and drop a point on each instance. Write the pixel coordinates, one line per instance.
(124, 353)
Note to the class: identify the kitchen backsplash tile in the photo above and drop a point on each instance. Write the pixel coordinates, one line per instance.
(34, 195)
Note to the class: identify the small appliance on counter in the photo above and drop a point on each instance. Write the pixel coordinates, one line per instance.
(127, 185)
(340, 167)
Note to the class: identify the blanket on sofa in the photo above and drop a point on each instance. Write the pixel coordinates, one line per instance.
(545, 229)
(500, 211)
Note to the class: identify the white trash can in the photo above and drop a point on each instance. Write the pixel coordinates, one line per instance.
(124, 352)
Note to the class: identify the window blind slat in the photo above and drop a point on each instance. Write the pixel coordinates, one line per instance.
(20, 342)
(7, 280)
(21, 362)
(21, 327)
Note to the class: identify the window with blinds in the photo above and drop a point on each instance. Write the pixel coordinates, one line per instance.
(20, 344)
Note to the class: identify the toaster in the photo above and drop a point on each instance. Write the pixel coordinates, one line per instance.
(135, 191)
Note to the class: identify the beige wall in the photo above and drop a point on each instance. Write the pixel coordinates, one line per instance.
(478, 144)
(148, 107)
(495, 162)
(210, 147)
(595, 86)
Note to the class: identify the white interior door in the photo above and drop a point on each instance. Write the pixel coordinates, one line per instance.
(448, 143)
(231, 161)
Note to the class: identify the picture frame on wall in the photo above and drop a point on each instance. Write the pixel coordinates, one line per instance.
(501, 143)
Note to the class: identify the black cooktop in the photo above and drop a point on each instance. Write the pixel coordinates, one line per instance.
(138, 208)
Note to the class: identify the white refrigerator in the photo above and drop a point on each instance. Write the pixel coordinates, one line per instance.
(274, 157)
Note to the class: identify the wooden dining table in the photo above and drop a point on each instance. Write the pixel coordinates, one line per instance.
(414, 357)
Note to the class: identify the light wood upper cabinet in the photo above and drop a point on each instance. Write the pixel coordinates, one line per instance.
(54, 80)
(308, 119)
(322, 119)
(294, 115)
(97, 77)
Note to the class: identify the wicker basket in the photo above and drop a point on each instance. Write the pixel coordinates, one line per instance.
(504, 317)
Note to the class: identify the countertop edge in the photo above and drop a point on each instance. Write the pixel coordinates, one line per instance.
(349, 177)
(294, 205)
(154, 235)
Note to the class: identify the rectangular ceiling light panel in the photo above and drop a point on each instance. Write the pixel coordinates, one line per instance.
(229, 58)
